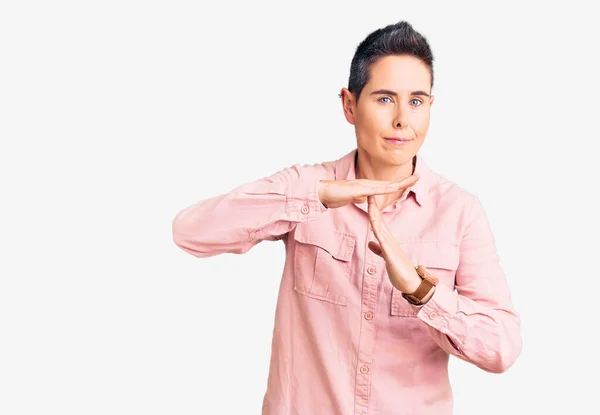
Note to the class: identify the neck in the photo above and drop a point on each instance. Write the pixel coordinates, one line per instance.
(367, 168)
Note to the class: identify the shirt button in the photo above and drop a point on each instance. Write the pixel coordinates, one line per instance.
(364, 369)
(304, 209)
(371, 270)
(368, 315)
(432, 315)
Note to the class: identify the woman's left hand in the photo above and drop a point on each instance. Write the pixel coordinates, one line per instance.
(401, 271)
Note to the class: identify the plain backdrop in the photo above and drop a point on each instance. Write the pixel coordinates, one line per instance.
(115, 115)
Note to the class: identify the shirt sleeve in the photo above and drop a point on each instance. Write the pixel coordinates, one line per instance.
(265, 209)
(477, 323)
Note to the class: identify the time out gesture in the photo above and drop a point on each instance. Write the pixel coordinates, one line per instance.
(338, 193)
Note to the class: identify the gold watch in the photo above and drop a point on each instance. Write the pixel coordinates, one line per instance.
(428, 281)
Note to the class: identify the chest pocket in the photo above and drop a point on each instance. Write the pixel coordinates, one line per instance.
(322, 262)
(441, 260)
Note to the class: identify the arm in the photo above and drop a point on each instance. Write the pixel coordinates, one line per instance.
(478, 323)
(263, 210)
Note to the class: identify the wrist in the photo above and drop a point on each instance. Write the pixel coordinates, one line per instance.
(425, 290)
(414, 283)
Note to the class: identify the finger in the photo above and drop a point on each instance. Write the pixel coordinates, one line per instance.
(375, 187)
(413, 178)
(380, 230)
(376, 248)
(374, 216)
(375, 183)
(406, 182)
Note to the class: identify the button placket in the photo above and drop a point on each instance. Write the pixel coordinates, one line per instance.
(369, 293)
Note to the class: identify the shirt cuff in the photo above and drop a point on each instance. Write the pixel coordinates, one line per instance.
(441, 307)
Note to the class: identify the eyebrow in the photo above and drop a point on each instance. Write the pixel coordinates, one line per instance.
(392, 93)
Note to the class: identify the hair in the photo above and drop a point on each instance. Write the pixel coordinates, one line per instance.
(395, 39)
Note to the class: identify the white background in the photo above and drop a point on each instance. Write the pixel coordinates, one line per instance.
(115, 115)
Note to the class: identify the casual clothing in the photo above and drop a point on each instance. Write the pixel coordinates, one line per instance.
(345, 341)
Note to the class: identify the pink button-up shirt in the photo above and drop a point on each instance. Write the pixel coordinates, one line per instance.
(345, 341)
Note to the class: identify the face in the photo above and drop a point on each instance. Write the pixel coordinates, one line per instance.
(395, 103)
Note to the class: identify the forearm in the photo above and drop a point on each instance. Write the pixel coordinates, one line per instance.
(487, 337)
(234, 222)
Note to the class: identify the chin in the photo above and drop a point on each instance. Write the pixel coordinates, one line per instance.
(397, 157)
(389, 156)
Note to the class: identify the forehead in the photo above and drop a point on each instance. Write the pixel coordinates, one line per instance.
(399, 73)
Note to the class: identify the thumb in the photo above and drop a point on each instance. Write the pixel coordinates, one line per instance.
(376, 248)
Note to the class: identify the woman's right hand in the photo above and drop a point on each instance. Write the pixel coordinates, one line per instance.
(338, 193)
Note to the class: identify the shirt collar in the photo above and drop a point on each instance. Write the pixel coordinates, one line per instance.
(346, 170)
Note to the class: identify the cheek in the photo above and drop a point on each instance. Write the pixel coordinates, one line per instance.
(364, 126)
(422, 123)
(373, 122)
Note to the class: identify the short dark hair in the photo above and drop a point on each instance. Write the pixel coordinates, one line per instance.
(395, 39)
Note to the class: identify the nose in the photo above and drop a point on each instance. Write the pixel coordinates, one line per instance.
(400, 116)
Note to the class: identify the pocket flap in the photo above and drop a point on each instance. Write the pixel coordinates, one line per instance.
(433, 254)
(339, 245)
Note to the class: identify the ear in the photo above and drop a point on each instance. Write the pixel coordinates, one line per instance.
(348, 104)
(431, 100)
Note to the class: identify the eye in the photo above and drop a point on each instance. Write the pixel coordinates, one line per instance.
(418, 100)
(379, 100)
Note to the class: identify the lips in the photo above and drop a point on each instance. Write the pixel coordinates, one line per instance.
(398, 140)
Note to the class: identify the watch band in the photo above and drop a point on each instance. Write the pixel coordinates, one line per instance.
(428, 281)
